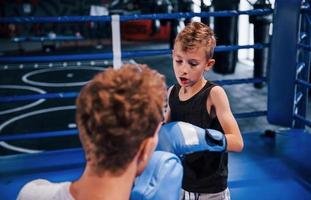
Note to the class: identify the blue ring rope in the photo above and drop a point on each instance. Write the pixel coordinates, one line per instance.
(49, 134)
(125, 54)
(240, 81)
(68, 57)
(250, 114)
(66, 19)
(64, 95)
(6, 99)
(42, 39)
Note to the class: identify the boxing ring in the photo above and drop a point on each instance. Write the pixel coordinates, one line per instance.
(273, 165)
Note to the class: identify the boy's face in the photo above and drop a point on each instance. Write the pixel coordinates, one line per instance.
(189, 66)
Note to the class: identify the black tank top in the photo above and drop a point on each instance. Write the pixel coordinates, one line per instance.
(204, 172)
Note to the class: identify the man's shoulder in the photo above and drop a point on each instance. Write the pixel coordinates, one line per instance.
(44, 189)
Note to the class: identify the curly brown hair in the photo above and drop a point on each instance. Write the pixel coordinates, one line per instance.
(116, 111)
(195, 35)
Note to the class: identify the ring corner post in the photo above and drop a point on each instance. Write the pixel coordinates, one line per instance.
(283, 62)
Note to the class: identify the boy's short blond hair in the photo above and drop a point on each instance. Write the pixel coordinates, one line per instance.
(195, 35)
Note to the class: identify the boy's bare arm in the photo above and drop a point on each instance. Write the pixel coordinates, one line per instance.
(227, 121)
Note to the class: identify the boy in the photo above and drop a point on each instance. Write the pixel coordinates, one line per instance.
(202, 103)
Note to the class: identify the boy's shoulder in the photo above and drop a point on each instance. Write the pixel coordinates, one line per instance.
(217, 89)
(218, 93)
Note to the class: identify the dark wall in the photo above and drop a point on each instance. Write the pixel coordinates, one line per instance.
(48, 8)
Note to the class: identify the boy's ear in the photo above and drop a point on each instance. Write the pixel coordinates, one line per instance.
(209, 65)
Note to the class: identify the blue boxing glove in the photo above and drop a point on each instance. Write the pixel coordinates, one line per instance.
(183, 138)
(160, 180)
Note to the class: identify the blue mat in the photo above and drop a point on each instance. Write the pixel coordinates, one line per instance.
(272, 168)
(268, 168)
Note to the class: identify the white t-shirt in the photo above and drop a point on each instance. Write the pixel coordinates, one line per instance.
(44, 190)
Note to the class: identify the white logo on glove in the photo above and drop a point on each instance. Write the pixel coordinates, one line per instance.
(189, 133)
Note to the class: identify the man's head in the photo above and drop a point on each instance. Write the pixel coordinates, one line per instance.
(118, 114)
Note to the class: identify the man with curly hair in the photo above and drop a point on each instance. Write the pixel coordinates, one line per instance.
(119, 113)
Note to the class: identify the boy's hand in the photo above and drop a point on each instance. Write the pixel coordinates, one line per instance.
(183, 138)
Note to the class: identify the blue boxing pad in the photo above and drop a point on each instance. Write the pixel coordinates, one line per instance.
(183, 138)
(160, 180)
